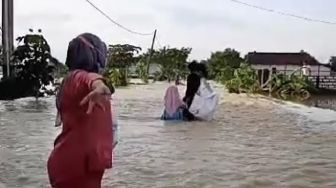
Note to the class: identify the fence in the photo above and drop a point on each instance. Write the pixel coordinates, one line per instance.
(323, 78)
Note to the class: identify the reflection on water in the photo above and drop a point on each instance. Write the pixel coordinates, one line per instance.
(252, 142)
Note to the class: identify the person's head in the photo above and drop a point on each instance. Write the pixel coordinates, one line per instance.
(172, 93)
(86, 52)
(172, 99)
(202, 69)
(193, 66)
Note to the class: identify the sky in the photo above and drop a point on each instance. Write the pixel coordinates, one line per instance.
(204, 25)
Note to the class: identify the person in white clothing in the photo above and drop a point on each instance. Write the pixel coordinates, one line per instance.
(205, 100)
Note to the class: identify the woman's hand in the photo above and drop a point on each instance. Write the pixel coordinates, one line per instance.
(97, 97)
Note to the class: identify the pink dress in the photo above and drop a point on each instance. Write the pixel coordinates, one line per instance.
(84, 148)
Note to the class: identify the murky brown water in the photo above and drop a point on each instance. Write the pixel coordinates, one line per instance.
(253, 142)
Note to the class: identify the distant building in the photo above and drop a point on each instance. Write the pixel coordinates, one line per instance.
(303, 63)
(287, 63)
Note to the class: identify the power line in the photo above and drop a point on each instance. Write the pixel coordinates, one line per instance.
(283, 13)
(116, 23)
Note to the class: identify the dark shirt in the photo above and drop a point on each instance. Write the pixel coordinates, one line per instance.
(193, 83)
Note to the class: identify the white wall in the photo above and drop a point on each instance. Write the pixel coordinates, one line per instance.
(324, 71)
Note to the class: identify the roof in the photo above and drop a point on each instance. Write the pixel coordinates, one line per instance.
(258, 58)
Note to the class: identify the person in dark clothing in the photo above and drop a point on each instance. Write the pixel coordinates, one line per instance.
(188, 116)
(193, 83)
(197, 71)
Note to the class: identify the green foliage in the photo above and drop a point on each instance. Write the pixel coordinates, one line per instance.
(244, 80)
(285, 86)
(292, 86)
(60, 69)
(172, 62)
(141, 70)
(33, 61)
(222, 65)
(33, 68)
(114, 77)
(120, 58)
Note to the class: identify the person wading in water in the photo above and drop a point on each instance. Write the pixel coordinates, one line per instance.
(193, 83)
(200, 98)
(83, 150)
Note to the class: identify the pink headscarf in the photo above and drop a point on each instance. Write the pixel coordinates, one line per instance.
(172, 100)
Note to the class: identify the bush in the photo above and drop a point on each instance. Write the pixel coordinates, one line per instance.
(292, 86)
(34, 68)
(222, 64)
(114, 77)
(141, 70)
(244, 80)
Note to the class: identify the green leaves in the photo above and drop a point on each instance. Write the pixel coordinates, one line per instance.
(172, 62)
(120, 58)
(141, 70)
(33, 61)
(223, 64)
(114, 77)
(244, 80)
(291, 86)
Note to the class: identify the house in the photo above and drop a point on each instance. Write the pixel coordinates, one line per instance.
(267, 64)
(288, 63)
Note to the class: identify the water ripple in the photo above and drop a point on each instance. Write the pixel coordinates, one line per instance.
(252, 143)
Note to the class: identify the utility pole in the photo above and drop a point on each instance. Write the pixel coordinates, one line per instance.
(7, 34)
(151, 52)
(11, 26)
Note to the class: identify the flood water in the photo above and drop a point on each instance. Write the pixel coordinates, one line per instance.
(253, 142)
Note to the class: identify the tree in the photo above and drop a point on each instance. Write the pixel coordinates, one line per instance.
(223, 64)
(33, 68)
(33, 61)
(172, 61)
(141, 69)
(120, 58)
(60, 69)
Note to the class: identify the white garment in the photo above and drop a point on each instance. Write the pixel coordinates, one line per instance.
(205, 102)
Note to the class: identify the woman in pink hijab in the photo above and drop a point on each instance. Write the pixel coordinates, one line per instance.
(175, 108)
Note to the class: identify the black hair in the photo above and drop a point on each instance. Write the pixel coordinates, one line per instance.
(201, 67)
(192, 66)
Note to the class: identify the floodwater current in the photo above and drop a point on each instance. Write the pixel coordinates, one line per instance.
(254, 142)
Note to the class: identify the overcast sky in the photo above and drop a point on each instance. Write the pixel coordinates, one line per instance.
(204, 25)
